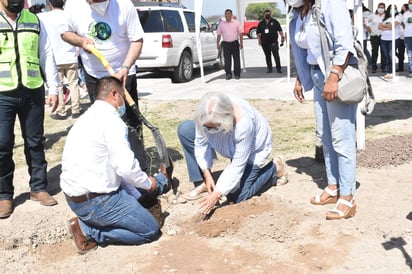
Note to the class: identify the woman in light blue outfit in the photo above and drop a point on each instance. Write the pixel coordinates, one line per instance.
(236, 130)
(335, 120)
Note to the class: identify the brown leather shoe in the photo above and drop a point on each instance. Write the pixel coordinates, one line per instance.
(6, 208)
(43, 197)
(80, 242)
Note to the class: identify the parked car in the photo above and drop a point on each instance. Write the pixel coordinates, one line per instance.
(249, 27)
(170, 40)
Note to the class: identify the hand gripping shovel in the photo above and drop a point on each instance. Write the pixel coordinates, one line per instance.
(160, 143)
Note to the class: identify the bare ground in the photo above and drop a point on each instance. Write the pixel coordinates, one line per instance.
(278, 232)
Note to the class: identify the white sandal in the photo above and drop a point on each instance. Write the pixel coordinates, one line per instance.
(332, 199)
(339, 214)
(282, 174)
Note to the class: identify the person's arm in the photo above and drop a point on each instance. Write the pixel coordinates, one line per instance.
(49, 68)
(133, 53)
(259, 33)
(77, 40)
(240, 36)
(218, 41)
(122, 157)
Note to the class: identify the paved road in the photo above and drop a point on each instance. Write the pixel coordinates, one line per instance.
(255, 83)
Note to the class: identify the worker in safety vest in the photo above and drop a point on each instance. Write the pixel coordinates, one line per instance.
(25, 57)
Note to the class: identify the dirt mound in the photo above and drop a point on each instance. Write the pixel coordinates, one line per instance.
(389, 151)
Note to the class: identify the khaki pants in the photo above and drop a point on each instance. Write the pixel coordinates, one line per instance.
(70, 71)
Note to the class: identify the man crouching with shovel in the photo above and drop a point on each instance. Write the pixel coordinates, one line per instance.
(100, 175)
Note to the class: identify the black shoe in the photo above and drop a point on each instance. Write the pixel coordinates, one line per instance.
(228, 76)
(57, 116)
(237, 77)
(373, 70)
(384, 70)
(279, 70)
(269, 70)
(76, 115)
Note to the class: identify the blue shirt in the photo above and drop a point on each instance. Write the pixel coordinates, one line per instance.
(249, 142)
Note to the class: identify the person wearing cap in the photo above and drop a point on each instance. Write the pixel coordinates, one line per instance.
(65, 56)
(25, 53)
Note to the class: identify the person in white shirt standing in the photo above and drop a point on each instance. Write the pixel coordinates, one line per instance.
(407, 23)
(114, 28)
(375, 37)
(236, 130)
(100, 173)
(65, 56)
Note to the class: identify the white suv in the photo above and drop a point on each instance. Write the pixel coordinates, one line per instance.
(169, 41)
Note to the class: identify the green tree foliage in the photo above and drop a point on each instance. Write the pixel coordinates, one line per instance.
(255, 11)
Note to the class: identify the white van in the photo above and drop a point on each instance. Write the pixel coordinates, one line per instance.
(169, 41)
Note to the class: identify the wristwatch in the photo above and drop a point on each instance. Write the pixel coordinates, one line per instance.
(338, 73)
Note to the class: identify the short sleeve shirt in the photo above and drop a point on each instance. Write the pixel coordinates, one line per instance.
(269, 31)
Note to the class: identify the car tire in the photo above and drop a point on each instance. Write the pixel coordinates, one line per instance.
(184, 71)
(252, 34)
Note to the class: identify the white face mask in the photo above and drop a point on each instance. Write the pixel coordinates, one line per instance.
(381, 10)
(100, 7)
(295, 3)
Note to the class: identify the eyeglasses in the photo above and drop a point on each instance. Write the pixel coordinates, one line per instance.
(214, 129)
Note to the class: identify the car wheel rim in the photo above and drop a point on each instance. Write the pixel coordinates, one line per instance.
(187, 68)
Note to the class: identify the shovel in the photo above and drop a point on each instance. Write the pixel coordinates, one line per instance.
(160, 143)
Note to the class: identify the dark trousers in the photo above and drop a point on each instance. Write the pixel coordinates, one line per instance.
(131, 119)
(375, 44)
(231, 49)
(400, 53)
(270, 49)
(28, 106)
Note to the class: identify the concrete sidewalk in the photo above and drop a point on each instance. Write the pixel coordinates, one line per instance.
(255, 83)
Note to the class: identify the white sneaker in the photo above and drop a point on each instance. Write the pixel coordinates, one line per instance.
(388, 76)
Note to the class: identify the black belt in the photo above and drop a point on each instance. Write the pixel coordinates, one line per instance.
(85, 197)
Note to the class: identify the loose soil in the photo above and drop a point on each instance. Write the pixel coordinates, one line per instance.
(277, 232)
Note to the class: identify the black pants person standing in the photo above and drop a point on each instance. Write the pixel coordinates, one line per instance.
(231, 49)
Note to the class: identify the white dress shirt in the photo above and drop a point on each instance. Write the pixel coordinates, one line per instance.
(97, 155)
(249, 142)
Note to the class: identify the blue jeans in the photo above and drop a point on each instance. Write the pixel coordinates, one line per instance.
(116, 218)
(28, 106)
(387, 48)
(254, 180)
(336, 128)
(408, 45)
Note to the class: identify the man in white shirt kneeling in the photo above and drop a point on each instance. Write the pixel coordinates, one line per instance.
(100, 175)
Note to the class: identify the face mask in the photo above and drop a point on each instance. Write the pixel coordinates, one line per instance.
(121, 109)
(15, 6)
(381, 10)
(410, 7)
(295, 3)
(267, 16)
(100, 7)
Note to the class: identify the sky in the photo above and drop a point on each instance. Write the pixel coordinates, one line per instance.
(213, 7)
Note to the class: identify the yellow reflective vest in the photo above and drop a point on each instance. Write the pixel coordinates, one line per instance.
(19, 53)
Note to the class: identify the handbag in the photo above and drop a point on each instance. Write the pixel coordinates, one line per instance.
(355, 84)
(352, 86)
